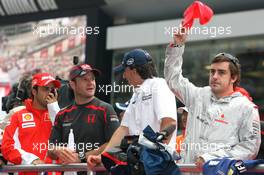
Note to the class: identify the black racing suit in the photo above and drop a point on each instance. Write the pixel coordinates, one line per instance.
(93, 125)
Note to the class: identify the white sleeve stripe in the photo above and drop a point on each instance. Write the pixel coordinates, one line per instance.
(27, 158)
(16, 140)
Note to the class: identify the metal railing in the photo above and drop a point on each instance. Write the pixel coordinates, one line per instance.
(83, 167)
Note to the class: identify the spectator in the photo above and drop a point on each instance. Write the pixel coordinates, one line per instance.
(29, 129)
(92, 121)
(152, 102)
(179, 139)
(222, 122)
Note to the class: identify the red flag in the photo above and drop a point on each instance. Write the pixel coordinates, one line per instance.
(197, 10)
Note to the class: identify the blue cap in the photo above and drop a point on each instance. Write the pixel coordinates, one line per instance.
(134, 58)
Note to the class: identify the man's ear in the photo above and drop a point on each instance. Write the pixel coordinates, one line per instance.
(34, 92)
(135, 71)
(72, 84)
(234, 78)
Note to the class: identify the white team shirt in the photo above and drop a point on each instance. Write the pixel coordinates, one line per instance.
(151, 102)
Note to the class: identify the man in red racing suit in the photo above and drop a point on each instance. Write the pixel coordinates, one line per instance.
(25, 139)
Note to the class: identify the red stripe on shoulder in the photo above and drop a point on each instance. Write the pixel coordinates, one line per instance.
(98, 108)
(66, 110)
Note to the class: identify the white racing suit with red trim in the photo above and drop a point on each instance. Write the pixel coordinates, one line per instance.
(26, 137)
(225, 127)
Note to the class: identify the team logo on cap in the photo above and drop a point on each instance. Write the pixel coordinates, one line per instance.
(27, 117)
(85, 66)
(147, 54)
(130, 61)
(47, 78)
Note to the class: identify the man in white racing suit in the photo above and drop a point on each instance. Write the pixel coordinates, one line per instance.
(152, 102)
(221, 122)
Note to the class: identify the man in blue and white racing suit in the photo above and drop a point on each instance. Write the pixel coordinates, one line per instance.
(221, 122)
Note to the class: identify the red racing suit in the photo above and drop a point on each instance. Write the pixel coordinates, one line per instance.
(26, 137)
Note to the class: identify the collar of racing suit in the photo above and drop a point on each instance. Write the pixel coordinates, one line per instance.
(226, 99)
(30, 108)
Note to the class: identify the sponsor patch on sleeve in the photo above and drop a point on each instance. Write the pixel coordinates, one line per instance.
(213, 162)
(28, 125)
(255, 128)
(27, 117)
(46, 117)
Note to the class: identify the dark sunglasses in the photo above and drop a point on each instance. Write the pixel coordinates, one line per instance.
(78, 72)
(233, 59)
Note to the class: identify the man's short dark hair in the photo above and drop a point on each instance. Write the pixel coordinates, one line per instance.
(234, 66)
(147, 70)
